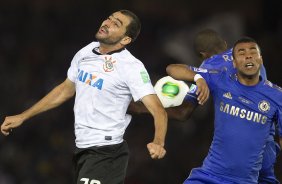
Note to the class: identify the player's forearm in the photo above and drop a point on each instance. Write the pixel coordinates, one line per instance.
(56, 97)
(280, 141)
(180, 72)
(160, 121)
(182, 112)
(159, 114)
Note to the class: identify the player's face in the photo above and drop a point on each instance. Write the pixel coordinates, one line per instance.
(247, 59)
(113, 29)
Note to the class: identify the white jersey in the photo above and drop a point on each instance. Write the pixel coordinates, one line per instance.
(105, 85)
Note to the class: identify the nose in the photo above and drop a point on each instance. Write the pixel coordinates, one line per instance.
(108, 22)
(249, 56)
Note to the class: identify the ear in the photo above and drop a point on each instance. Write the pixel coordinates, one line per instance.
(261, 59)
(225, 45)
(125, 41)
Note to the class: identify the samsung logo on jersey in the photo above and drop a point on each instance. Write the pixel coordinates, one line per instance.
(90, 79)
(242, 113)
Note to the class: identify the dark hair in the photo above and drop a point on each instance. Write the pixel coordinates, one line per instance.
(134, 27)
(209, 41)
(244, 39)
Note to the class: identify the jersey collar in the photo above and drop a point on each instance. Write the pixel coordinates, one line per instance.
(96, 51)
(234, 77)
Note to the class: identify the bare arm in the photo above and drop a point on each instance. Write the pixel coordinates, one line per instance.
(182, 112)
(153, 104)
(137, 108)
(182, 72)
(56, 97)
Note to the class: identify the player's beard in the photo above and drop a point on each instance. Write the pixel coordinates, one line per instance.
(109, 40)
(250, 75)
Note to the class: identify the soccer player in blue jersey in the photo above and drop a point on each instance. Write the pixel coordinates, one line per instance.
(212, 50)
(246, 106)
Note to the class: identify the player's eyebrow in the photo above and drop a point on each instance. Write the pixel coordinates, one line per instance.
(244, 49)
(253, 48)
(241, 50)
(117, 19)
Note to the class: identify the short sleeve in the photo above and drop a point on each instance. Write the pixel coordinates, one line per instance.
(73, 69)
(138, 81)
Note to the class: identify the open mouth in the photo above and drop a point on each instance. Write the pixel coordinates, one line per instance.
(249, 65)
(104, 30)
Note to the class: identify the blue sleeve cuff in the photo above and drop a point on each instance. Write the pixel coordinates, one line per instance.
(191, 95)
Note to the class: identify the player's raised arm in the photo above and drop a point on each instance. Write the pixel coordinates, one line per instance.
(183, 72)
(56, 97)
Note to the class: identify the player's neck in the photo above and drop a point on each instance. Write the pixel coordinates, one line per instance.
(104, 48)
(248, 80)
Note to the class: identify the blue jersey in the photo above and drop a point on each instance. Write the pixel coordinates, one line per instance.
(224, 61)
(243, 119)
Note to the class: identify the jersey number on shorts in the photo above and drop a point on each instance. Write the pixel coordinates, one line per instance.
(86, 181)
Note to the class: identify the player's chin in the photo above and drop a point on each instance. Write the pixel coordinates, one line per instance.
(251, 72)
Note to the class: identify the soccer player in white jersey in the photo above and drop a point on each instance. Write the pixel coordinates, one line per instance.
(104, 77)
(246, 106)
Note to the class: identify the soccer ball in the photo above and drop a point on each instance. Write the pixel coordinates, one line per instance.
(171, 92)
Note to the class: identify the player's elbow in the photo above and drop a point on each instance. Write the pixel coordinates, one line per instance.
(182, 112)
(170, 69)
(184, 115)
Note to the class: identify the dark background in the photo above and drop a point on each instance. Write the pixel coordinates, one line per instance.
(38, 39)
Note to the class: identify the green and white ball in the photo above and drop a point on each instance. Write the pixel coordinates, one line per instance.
(170, 89)
(171, 92)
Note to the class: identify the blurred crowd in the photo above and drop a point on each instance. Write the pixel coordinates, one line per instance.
(38, 39)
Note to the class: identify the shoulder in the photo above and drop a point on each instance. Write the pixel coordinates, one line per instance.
(273, 87)
(87, 49)
(218, 60)
(126, 58)
(272, 91)
(228, 52)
